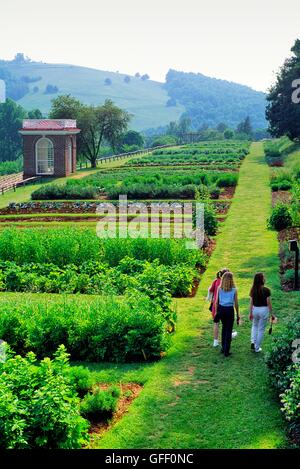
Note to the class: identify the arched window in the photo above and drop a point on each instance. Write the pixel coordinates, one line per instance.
(44, 156)
(70, 155)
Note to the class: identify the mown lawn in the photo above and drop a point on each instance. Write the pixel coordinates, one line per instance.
(196, 398)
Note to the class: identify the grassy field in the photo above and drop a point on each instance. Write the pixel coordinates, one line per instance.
(146, 100)
(195, 398)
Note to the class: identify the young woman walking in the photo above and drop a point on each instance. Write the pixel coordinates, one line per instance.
(212, 295)
(260, 310)
(227, 302)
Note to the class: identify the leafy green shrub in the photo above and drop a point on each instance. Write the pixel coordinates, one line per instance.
(81, 378)
(54, 192)
(291, 396)
(228, 180)
(210, 220)
(11, 167)
(110, 329)
(289, 275)
(280, 218)
(281, 185)
(279, 358)
(38, 405)
(295, 205)
(100, 403)
(214, 192)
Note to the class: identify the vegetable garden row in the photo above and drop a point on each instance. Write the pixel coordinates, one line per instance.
(105, 300)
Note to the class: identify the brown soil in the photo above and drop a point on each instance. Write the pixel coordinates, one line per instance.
(228, 192)
(280, 196)
(125, 401)
(287, 264)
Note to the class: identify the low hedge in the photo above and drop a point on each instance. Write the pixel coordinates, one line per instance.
(96, 277)
(56, 192)
(131, 328)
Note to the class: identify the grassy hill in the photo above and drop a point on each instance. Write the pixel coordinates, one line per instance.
(146, 100)
(205, 100)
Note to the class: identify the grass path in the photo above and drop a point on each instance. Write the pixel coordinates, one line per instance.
(196, 398)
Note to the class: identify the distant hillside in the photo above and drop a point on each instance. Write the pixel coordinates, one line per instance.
(146, 100)
(153, 104)
(211, 101)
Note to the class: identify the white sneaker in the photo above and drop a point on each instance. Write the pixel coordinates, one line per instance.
(216, 343)
(234, 334)
(258, 350)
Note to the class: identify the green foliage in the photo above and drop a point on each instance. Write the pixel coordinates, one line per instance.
(11, 167)
(81, 379)
(281, 217)
(11, 116)
(279, 358)
(100, 403)
(291, 398)
(109, 328)
(91, 277)
(245, 127)
(55, 191)
(78, 246)
(215, 154)
(283, 111)
(164, 140)
(129, 138)
(210, 220)
(38, 405)
(201, 97)
(97, 123)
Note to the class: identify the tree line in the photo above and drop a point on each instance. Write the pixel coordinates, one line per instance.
(103, 125)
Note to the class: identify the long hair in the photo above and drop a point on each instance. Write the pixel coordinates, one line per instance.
(222, 272)
(227, 282)
(257, 287)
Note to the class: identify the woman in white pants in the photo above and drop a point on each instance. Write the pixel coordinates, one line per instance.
(260, 310)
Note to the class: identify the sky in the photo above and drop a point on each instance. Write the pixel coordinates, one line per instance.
(236, 40)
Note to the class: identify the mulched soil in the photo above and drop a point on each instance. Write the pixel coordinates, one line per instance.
(228, 192)
(281, 196)
(129, 392)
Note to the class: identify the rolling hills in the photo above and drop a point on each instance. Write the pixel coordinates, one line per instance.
(206, 100)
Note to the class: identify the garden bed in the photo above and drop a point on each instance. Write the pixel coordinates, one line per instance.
(287, 259)
(129, 392)
(281, 197)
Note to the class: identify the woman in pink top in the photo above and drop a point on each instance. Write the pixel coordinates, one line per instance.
(213, 289)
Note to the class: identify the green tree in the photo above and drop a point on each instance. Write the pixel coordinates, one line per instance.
(132, 138)
(35, 114)
(172, 129)
(245, 127)
(221, 127)
(283, 108)
(65, 107)
(11, 116)
(97, 124)
(228, 134)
